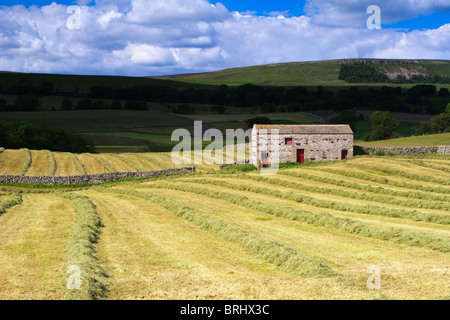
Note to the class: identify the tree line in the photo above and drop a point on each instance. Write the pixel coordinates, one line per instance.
(370, 73)
(266, 99)
(16, 135)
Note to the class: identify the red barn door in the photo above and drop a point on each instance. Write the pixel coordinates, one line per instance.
(301, 155)
(344, 154)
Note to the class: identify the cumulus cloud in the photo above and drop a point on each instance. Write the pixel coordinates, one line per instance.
(143, 37)
(353, 12)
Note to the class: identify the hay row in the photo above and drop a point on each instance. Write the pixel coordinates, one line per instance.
(103, 163)
(382, 180)
(400, 236)
(81, 252)
(413, 215)
(152, 160)
(282, 256)
(27, 162)
(52, 163)
(128, 162)
(78, 164)
(429, 165)
(366, 187)
(412, 203)
(14, 200)
(404, 174)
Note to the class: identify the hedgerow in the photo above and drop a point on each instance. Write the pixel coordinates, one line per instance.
(103, 163)
(14, 200)
(411, 238)
(383, 180)
(27, 162)
(282, 256)
(129, 162)
(81, 252)
(52, 163)
(327, 204)
(78, 164)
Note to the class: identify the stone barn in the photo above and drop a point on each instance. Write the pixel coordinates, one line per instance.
(301, 143)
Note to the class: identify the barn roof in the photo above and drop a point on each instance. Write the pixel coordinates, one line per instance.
(307, 129)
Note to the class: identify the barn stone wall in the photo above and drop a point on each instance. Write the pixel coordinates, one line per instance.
(318, 147)
(92, 178)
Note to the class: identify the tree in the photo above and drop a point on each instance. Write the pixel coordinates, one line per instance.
(383, 126)
(384, 118)
(440, 123)
(444, 92)
(67, 105)
(3, 105)
(218, 109)
(258, 120)
(116, 105)
(447, 109)
(381, 132)
(28, 103)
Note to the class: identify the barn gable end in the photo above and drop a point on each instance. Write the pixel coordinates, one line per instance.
(302, 143)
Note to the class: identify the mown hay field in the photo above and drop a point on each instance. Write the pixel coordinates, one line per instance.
(308, 232)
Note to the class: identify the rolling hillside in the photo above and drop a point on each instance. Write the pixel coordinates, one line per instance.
(314, 73)
(310, 232)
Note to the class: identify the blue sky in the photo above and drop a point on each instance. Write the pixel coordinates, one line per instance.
(151, 37)
(424, 20)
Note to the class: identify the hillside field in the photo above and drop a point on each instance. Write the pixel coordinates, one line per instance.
(310, 232)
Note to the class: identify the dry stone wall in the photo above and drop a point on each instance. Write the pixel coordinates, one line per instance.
(92, 178)
(409, 151)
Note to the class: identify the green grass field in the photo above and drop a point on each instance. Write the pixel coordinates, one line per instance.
(315, 73)
(309, 232)
(417, 141)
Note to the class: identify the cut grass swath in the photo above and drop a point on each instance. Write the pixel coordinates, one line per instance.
(400, 236)
(129, 162)
(52, 163)
(14, 200)
(27, 162)
(80, 251)
(404, 174)
(412, 203)
(327, 204)
(382, 180)
(284, 257)
(80, 167)
(103, 163)
(429, 165)
(153, 160)
(365, 187)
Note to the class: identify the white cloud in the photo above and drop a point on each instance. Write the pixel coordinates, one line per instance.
(353, 12)
(143, 37)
